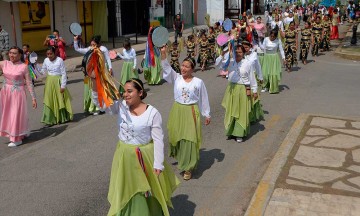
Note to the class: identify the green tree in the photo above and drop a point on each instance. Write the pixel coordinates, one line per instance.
(338, 2)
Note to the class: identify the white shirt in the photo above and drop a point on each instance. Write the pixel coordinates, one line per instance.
(103, 49)
(272, 46)
(254, 60)
(279, 23)
(55, 68)
(222, 60)
(288, 20)
(140, 130)
(242, 73)
(193, 92)
(128, 55)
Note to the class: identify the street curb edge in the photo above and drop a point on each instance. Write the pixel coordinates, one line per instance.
(266, 186)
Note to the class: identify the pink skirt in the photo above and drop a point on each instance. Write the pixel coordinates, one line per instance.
(14, 121)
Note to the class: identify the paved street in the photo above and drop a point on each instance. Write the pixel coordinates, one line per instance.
(64, 170)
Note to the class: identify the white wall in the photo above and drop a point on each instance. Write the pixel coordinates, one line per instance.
(201, 13)
(7, 24)
(216, 10)
(65, 13)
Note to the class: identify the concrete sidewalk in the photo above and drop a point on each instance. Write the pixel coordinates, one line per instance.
(345, 49)
(316, 170)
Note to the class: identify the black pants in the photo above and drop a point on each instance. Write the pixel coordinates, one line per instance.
(177, 34)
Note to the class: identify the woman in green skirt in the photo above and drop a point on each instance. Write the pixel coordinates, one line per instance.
(90, 96)
(57, 99)
(184, 125)
(238, 95)
(128, 70)
(141, 182)
(251, 56)
(271, 65)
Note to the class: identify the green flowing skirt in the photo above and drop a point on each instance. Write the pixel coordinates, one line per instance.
(89, 106)
(57, 106)
(237, 110)
(152, 74)
(271, 68)
(127, 73)
(129, 183)
(184, 128)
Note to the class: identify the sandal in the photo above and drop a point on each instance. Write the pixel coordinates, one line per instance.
(187, 175)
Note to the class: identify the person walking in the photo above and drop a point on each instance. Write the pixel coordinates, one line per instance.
(184, 125)
(291, 46)
(237, 97)
(141, 182)
(178, 27)
(101, 61)
(14, 120)
(271, 65)
(128, 70)
(57, 99)
(305, 42)
(318, 34)
(4, 44)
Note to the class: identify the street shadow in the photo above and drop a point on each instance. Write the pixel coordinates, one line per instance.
(283, 87)
(255, 128)
(42, 133)
(207, 159)
(75, 81)
(310, 61)
(182, 206)
(80, 116)
(294, 69)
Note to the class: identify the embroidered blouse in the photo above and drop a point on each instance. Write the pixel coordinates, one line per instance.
(128, 55)
(55, 68)
(272, 46)
(193, 92)
(140, 130)
(242, 73)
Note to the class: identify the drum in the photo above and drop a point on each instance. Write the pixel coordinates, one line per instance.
(160, 36)
(75, 29)
(227, 24)
(33, 57)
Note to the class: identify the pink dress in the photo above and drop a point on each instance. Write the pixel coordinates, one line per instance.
(14, 121)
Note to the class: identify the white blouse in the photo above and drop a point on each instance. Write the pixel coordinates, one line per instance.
(272, 46)
(242, 73)
(103, 49)
(55, 68)
(254, 60)
(193, 92)
(288, 20)
(128, 55)
(280, 24)
(221, 60)
(140, 130)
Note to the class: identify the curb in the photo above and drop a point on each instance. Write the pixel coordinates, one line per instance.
(266, 186)
(347, 55)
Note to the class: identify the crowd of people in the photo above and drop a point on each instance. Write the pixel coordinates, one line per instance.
(251, 58)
